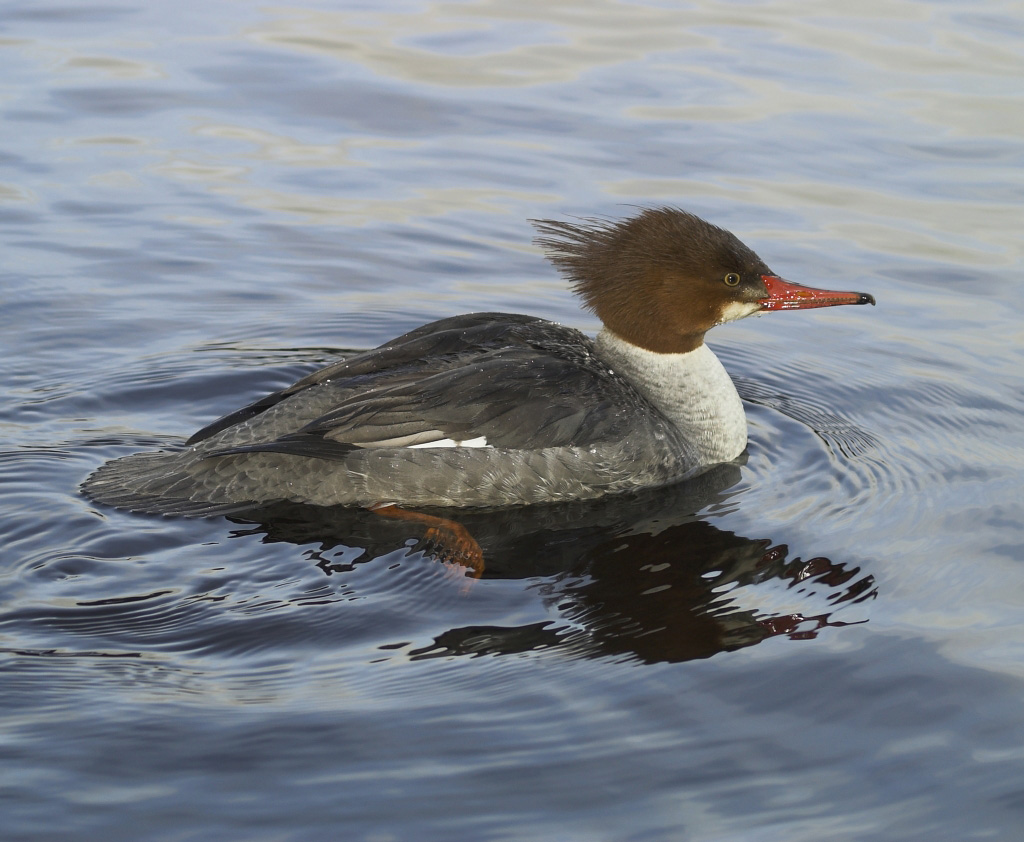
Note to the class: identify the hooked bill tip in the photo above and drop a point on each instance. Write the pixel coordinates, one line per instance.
(867, 298)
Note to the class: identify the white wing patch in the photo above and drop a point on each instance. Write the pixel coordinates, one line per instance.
(424, 438)
(479, 441)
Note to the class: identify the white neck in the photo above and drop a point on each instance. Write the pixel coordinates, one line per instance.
(693, 390)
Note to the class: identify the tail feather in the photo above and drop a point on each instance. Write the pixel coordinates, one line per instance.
(154, 483)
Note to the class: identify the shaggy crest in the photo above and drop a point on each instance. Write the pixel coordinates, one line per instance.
(606, 260)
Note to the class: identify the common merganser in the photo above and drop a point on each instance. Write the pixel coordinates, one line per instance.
(492, 409)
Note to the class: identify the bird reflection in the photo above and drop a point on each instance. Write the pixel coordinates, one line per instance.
(636, 576)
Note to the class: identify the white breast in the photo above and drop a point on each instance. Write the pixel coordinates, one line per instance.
(693, 390)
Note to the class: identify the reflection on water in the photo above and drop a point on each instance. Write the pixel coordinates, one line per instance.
(637, 575)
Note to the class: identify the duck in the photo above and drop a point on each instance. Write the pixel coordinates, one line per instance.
(498, 409)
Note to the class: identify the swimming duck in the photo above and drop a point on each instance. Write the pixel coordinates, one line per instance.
(493, 409)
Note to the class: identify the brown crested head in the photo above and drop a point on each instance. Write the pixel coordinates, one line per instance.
(660, 279)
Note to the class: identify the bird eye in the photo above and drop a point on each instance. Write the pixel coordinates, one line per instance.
(732, 279)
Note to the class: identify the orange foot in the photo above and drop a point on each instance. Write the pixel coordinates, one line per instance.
(447, 541)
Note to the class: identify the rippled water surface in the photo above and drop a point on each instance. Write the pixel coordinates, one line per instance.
(200, 202)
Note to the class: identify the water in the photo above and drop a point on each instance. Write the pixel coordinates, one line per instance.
(201, 202)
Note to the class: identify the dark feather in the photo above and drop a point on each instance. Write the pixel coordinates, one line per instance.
(455, 335)
(300, 444)
(489, 375)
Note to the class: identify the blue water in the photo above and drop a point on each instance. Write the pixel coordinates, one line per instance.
(201, 202)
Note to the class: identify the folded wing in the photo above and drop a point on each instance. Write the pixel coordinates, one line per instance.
(485, 380)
